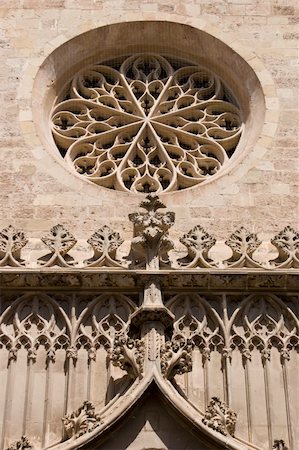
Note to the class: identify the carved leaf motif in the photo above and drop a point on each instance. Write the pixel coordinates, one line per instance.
(176, 357)
(11, 243)
(128, 354)
(243, 242)
(59, 240)
(81, 421)
(279, 444)
(12, 240)
(219, 417)
(105, 240)
(22, 444)
(198, 243)
(287, 240)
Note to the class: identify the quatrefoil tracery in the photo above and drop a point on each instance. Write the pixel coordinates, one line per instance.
(148, 124)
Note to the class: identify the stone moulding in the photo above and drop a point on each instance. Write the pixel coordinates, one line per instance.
(82, 420)
(150, 246)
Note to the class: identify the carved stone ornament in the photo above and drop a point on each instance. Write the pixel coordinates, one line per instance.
(151, 242)
(150, 246)
(22, 444)
(198, 243)
(81, 421)
(60, 242)
(128, 354)
(11, 243)
(287, 244)
(243, 244)
(279, 445)
(176, 357)
(219, 417)
(105, 243)
(148, 123)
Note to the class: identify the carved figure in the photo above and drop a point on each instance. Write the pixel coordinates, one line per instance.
(151, 242)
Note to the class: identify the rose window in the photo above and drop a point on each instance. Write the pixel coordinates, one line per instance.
(146, 123)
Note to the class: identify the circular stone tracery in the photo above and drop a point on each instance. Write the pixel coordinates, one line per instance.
(147, 123)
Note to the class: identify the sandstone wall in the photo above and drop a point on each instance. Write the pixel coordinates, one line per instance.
(261, 192)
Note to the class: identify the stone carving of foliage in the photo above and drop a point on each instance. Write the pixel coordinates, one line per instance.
(264, 322)
(105, 243)
(287, 244)
(60, 242)
(31, 322)
(243, 244)
(11, 244)
(128, 354)
(279, 445)
(151, 242)
(176, 357)
(197, 322)
(219, 417)
(22, 444)
(81, 421)
(198, 243)
(148, 123)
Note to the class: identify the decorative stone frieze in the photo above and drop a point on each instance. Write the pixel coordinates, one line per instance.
(22, 444)
(60, 242)
(219, 417)
(150, 246)
(11, 243)
(82, 420)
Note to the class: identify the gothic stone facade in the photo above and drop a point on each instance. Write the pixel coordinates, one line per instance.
(159, 321)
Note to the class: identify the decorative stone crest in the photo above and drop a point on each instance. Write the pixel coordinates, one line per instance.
(22, 444)
(81, 421)
(11, 243)
(176, 357)
(105, 243)
(128, 354)
(219, 417)
(243, 244)
(60, 242)
(151, 242)
(198, 243)
(287, 244)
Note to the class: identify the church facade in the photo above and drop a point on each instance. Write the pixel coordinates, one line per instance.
(149, 239)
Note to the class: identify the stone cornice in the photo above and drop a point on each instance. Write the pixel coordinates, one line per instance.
(61, 279)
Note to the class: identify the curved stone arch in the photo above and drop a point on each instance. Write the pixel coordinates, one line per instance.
(204, 28)
(116, 411)
(24, 324)
(272, 323)
(197, 320)
(105, 317)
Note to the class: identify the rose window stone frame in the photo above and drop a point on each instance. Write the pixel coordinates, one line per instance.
(146, 123)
